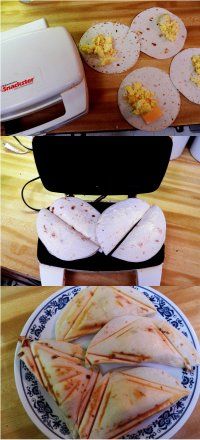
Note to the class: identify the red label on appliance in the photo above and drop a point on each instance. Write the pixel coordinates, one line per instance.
(17, 84)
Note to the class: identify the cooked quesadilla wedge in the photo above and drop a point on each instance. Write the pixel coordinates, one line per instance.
(124, 398)
(93, 307)
(135, 340)
(59, 368)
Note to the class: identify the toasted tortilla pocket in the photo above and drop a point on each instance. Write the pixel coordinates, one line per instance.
(153, 42)
(61, 240)
(117, 220)
(135, 340)
(183, 74)
(166, 96)
(146, 239)
(63, 376)
(92, 308)
(78, 214)
(129, 397)
(125, 44)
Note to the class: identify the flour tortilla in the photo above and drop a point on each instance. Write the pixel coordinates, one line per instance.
(125, 42)
(153, 43)
(145, 240)
(126, 398)
(134, 340)
(167, 96)
(61, 240)
(117, 220)
(78, 214)
(94, 306)
(180, 72)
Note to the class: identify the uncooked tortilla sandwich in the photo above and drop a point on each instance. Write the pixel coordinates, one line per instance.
(62, 240)
(185, 73)
(110, 47)
(146, 239)
(82, 216)
(134, 340)
(58, 367)
(124, 398)
(148, 99)
(161, 33)
(117, 220)
(94, 306)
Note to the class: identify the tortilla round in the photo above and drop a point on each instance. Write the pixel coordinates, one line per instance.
(125, 42)
(78, 214)
(145, 240)
(166, 94)
(117, 220)
(61, 240)
(153, 43)
(180, 72)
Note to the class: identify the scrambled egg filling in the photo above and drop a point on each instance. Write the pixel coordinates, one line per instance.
(168, 27)
(102, 47)
(140, 99)
(195, 78)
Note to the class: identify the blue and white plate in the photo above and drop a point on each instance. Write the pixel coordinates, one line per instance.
(43, 411)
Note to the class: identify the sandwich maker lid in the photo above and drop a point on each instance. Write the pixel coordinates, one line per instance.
(36, 68)
(102, 165)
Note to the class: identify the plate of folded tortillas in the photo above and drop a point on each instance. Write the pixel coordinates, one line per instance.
(108, 362)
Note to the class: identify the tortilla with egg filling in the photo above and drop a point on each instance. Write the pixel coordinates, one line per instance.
(77, 213)
(145, 240)
(165, 93)
(126, 398)
(152, 41)
(182, 70)
(135, 340)
(125, 43)
(63, 376)
(117, 220)
(62, 240)
(94, 306)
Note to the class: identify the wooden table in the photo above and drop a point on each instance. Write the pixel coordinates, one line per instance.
(178, 196)
(15, 422)
(78, 16)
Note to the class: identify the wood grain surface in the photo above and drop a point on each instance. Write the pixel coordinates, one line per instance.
(178, 196)
(17, 305)
(77, 16)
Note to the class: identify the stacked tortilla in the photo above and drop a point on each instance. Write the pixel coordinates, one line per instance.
(110, 405)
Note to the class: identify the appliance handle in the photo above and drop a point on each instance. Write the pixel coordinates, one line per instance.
(75, 101)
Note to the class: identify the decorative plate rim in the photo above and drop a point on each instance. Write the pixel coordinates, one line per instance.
(20, 386)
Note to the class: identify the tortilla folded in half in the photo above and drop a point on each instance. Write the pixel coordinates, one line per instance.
(58, 368)
(124, 398)
(135, 340)
(61, 240)
(94, 306)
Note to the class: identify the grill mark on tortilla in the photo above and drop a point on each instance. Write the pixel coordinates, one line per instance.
(152, 384)
(134, 299)
(85, 404)
(140, 417)
(35, 367)
(91, 294)
(115, 356)
(99, 404)
(110, 336)
(104, 407)
(175, 348)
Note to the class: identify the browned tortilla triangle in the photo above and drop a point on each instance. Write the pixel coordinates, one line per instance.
(125, 399)
(93, 307)
(131, 340)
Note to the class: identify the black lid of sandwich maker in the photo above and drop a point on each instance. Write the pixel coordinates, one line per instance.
(102, 165)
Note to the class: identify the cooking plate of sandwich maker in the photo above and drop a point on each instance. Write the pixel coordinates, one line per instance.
(41, 68)
(101, 166)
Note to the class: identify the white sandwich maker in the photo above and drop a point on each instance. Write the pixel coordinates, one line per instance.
(41, 66)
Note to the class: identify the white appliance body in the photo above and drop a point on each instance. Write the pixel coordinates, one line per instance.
(41, 66)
